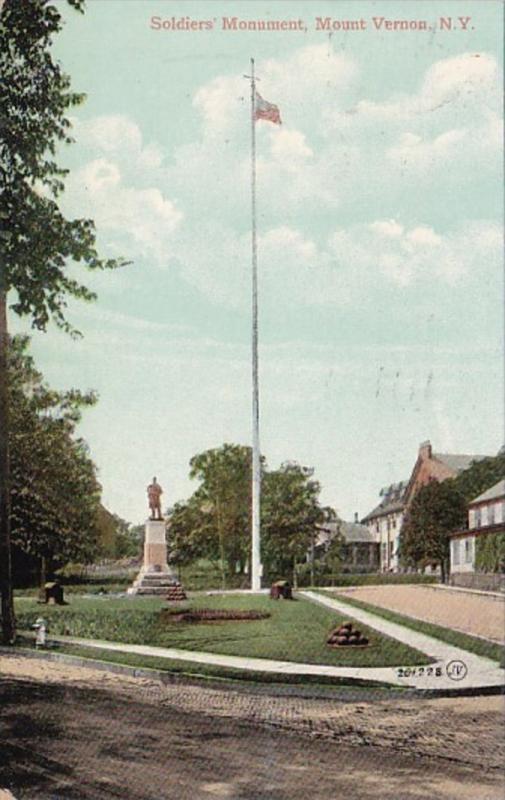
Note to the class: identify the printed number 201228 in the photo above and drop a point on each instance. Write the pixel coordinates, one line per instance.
(419, 672)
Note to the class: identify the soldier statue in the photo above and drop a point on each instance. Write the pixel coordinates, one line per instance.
(154, 492)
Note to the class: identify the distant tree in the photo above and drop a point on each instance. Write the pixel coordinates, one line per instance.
(215, 523)
(128, 542)
(38, 242)
(290, 514)
(480, 476)
(117, 538)
(192, 532)
(105, 526)
(223, 500)
(436, 511)
(333, 556)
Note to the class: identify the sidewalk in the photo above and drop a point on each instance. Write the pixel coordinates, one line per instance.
(459, 668)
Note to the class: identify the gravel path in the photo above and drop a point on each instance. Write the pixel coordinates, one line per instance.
(469, 613)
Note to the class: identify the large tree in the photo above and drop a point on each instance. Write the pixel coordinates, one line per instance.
(436, 511)
(38, 243)
(54, 489)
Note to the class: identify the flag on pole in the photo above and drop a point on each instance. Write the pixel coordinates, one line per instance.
(265, 110)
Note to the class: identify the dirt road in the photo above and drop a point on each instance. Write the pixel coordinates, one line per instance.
(475, 614)
(78, 734)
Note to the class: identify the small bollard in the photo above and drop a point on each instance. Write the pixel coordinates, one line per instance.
(54, 594)
(40, 626)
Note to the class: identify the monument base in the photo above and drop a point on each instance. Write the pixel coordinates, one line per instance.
(156, 577)
(151, 582)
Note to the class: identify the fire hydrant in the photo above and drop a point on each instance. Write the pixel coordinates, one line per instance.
(41, 627)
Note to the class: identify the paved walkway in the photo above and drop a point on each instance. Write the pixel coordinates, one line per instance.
(469, 671)
(475, 614)
(459, 668)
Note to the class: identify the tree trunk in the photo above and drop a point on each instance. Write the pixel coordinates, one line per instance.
(295, 576)
(7, 603)
(222, 559)
(42, 579)
(312, 548)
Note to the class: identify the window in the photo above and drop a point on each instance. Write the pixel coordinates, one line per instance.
(390, 549)
(394, 522)
(477, 517)
(468, 550)
(491, 514)
(455, 551)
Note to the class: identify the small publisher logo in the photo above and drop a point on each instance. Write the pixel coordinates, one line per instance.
(456, 670)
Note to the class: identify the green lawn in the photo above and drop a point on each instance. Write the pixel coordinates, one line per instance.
(295, 631)
(480, 647)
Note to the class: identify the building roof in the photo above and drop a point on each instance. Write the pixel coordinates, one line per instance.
(354, 532)
(494, 493)
(351, 531)
(456, 462)
(392, 500)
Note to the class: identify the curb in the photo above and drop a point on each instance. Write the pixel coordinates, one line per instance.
(168, 677)
(240, 676)
(465, 590)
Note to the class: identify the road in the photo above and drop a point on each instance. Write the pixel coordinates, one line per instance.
(69, 733)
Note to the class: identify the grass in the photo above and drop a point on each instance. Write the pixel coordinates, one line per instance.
(480, 647)
(295, 631)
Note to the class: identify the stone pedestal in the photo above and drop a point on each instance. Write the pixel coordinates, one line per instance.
(156, 577)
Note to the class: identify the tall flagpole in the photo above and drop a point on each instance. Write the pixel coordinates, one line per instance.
(256, 460)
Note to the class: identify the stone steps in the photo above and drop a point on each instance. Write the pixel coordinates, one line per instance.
(157, 591)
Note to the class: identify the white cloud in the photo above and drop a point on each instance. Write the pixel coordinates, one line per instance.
(312, 165)
(141, 220)
(350, 266)
(407, 256)
(118, 137)
(389, 227)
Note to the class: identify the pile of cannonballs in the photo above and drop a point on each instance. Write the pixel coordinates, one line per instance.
(346, 636)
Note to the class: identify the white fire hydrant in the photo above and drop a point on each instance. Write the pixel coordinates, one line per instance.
(40, 626)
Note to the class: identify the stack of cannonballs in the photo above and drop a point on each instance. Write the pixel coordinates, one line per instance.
(345, 636)
(175, 593)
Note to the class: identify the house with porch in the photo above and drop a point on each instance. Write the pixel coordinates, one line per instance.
(486, 520)
(359, 550)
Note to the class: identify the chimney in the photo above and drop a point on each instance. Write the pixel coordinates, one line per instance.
(425, 450)
(356, 517)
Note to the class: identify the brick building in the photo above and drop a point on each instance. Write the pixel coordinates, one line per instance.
(386, 519)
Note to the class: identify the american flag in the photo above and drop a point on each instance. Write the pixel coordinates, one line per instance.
(265, 110)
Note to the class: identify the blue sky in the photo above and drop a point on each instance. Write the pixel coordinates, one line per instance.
(380, 239)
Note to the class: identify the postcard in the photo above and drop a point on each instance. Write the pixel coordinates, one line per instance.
(253, 344)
